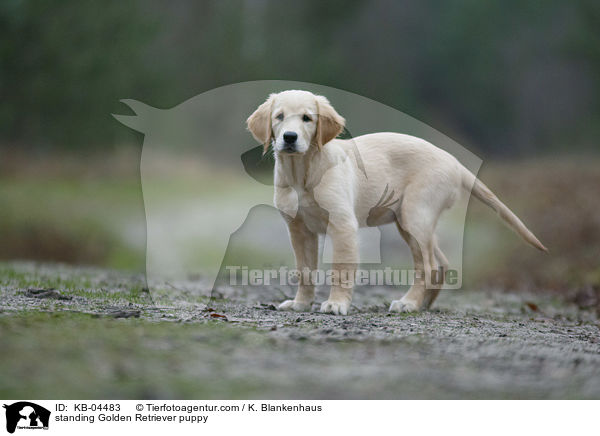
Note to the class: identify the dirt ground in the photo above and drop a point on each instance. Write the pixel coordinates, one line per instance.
(70, 332)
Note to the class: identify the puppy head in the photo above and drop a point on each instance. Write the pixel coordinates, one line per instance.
(292, 121)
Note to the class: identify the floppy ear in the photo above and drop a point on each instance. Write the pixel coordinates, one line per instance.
(329, 123)
(259, 123)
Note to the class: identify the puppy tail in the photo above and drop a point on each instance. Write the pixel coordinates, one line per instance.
(483, 193)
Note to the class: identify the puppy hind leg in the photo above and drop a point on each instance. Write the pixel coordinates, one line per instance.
(414, 298)
(419, 219)
(441, 257)
(439, 266)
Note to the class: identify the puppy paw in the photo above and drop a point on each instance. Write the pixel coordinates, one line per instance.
(335, 307)
(404, 306)
(296, 306)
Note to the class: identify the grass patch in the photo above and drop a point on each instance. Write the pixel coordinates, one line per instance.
(85, 357)
(90, 283)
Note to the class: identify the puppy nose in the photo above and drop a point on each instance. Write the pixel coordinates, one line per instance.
(290, 137)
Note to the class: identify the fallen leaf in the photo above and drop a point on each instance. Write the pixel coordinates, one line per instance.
(532, 306)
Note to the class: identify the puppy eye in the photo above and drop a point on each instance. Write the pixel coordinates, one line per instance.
(280, 116)
(306, 118)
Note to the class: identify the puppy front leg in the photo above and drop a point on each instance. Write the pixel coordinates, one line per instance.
(306, 250)
(343, 234)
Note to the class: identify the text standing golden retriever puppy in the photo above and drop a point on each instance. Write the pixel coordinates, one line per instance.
(335, 186)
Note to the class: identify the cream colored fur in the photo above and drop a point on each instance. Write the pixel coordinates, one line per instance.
(335, 186)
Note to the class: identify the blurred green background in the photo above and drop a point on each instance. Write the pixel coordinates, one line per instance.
(517, 83)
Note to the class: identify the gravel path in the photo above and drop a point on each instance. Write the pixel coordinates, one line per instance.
(474, 344)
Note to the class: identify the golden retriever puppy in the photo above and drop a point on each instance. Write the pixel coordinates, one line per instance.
(332, 186)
